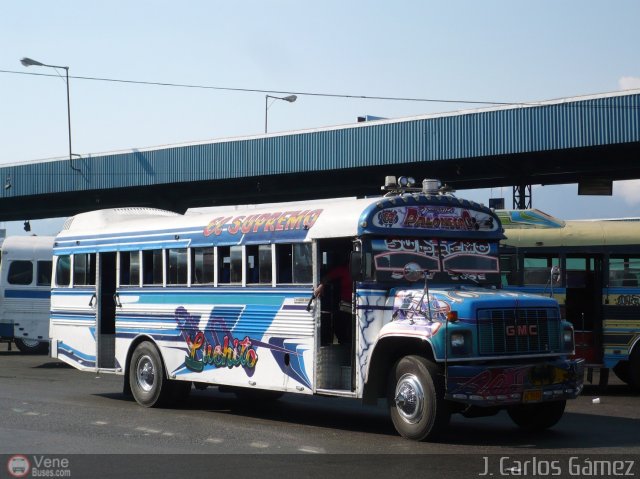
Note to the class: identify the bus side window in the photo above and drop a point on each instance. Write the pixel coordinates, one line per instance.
(624, 271)
(43, 273)
(224, 264)
(509, 269)
(236, 264)
(258, 265)
(129, 268)
(294, 263)
(284, 264)
(202, 265)
(177, 266)
(152, 267)
(302, 263)
(20, 273)
(63, 271)
(84, 269)
(537, 269)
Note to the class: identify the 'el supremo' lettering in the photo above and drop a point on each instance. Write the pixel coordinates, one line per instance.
(263, 223)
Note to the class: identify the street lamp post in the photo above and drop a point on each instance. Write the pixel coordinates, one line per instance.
(290, 99)
(28, 62)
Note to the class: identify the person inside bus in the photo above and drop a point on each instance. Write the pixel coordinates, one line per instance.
(338, 281)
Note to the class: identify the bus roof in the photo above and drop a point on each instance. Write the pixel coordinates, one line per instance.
(532, 228)
(27, 247)
(530, 218)
(409, 214)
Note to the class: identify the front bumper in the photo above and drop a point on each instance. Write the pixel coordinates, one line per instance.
(486, 385)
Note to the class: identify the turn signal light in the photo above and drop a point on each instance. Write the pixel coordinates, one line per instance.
(452, 316)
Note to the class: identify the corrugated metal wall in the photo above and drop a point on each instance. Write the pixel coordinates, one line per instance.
(572, 123)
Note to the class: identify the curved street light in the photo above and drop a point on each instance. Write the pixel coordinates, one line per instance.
(290, 99)
(29, 62)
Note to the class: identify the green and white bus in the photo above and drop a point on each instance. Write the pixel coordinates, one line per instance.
(596, 274)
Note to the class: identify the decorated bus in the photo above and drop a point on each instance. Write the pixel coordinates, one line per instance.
(248, 299)
(596, 281)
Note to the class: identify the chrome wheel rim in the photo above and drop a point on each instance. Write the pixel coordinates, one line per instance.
(409, 398)
(30, 343)
(145, 373)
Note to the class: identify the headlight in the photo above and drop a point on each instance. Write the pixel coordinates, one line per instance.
(457, 340)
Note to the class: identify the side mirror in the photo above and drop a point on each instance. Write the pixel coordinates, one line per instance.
(555, 275)
(355, 266)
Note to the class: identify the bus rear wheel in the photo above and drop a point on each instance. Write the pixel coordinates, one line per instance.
(148, 381)
(537, 417)
(416, 399)
(32, 346)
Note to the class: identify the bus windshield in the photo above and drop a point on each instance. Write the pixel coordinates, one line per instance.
(456, 262)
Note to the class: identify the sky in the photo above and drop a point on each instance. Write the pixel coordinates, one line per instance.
(460, 50)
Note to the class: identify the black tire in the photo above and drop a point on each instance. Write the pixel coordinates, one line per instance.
(32, 346)
(416, 399)
(537, 417)
(622, 370)
(634, 369)
(147, 379)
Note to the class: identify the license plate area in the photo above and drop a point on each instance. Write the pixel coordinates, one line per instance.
(532, 395)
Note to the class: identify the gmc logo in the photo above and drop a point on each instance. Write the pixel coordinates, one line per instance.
(522, 330)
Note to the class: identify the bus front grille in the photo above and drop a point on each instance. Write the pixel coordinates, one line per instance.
(518, 331)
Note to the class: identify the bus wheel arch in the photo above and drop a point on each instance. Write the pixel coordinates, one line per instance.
(386, 353)
(126, 390)
(146, 377)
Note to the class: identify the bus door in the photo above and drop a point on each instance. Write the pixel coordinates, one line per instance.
(583, 304)
(106, 310)
(335, 366)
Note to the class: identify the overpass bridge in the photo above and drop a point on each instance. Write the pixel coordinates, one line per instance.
(590, 140)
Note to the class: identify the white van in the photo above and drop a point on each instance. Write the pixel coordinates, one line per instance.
(25, 291)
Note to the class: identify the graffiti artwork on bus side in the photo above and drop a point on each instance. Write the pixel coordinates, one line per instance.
(207, 348)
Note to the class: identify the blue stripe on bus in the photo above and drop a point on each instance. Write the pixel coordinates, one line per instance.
(27, 294)
(76, 355)
(133, 241)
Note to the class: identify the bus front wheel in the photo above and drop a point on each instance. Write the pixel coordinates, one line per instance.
(416, 399)
(32, 346)
(537, 417)
(147, 378)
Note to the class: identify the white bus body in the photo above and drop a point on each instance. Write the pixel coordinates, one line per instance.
(25, 291)
(223, 299)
